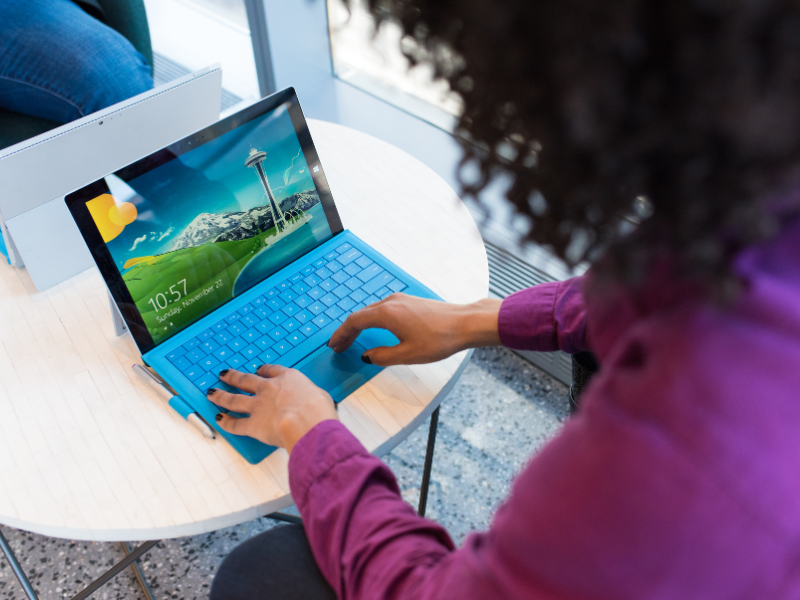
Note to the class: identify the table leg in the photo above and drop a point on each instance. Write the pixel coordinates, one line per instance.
(137, 570)
(17, 568)
(426, 472)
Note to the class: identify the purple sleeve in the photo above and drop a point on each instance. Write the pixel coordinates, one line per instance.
(546, 317)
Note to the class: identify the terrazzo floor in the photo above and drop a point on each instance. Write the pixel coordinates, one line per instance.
(500, 412)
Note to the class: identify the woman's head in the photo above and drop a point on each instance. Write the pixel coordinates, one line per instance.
(691, 106)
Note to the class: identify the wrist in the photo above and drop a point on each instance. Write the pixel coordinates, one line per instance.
(293, 428)
(478, 324)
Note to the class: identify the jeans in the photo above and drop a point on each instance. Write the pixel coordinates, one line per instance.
(274, 565)
(59, 63)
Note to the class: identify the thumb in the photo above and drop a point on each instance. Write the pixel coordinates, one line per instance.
(385, 356)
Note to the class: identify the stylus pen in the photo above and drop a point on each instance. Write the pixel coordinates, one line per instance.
(175, 401)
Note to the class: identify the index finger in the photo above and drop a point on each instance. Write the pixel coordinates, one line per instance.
(347, 332)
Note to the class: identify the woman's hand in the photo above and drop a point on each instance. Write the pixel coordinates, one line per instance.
(285, 407)
(428, 330)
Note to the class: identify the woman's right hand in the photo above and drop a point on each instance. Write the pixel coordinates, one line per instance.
(428, 330)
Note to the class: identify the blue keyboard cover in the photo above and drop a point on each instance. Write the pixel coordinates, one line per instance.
(282, 320)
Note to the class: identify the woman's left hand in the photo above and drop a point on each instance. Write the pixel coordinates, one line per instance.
(285, 406)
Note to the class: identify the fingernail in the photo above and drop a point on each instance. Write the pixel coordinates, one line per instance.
(210, 391)
(218, 417)
(328, 343)
(223, 372)
(366, 358)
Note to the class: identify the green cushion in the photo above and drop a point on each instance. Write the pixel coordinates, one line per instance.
(15, 127)
(130, 19)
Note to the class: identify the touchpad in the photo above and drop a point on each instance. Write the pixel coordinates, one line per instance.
(341, 374)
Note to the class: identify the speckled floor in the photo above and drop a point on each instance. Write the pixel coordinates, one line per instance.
(500, 412)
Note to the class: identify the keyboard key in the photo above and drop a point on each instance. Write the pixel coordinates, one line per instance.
(346, 304)
(245, 309)
(303, 316)
(277, 333)
(237, 328)
(334, 312)
(321, 320)
(194, 355)
(223, 337)
(352, 269)
(191, 344)
(316, 293)
(194, 372)
(383, 292)
(277, 318)
(235, 361)
(233, 317)
(209, 346)
(371, 300)
(268, 357)
(308, 329)
(206, 381)
(281, 348)
(264, 343)
(359, 295)
(205, 335)
(272, 293)
(290, 309)
(320, 262)
(397, 286)
(341, 292)
(328, 285)
(323, 273)
(288, 295)
(208, 363)
(284, 285)
(334, 266)
(328, 300)
(312, 280)
(291, 325)
(262, 312)
(371, 271)
(358, 307)
(222, 353)
(344, 248)
(316, 307)
(295, 338)
(296, 277)
(182, 363)
(220, 325)
(363, 262)
(250, 320)
(237, 344)
(340, 277)
(251, 352)
(302, 301)
(258, 301)
(301, 288)
(275, 304)
(308, 270)
(349, 256)
(251, 335)
(377, 282)
(353, 283)
(251, 366)
(264, 327)
(331, 255)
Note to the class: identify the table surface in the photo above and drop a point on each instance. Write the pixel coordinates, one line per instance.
(88, 451)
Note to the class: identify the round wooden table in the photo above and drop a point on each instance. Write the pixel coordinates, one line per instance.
(89, 452)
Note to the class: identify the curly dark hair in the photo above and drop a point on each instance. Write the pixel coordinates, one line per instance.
(683, 115)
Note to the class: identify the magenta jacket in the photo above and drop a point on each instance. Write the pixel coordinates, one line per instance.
(679, 478)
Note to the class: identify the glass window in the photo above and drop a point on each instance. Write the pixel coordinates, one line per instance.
(191, 34)
(375, 64)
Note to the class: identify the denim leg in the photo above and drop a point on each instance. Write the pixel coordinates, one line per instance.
(59, 63)
(275, 565)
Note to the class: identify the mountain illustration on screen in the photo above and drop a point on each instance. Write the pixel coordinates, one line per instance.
(225, 227)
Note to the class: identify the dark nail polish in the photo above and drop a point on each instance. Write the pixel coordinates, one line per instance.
(223, 372)
(366, 359)
(210, 391)
(218, 417)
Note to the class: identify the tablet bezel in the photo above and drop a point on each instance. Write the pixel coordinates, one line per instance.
(76, 201)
